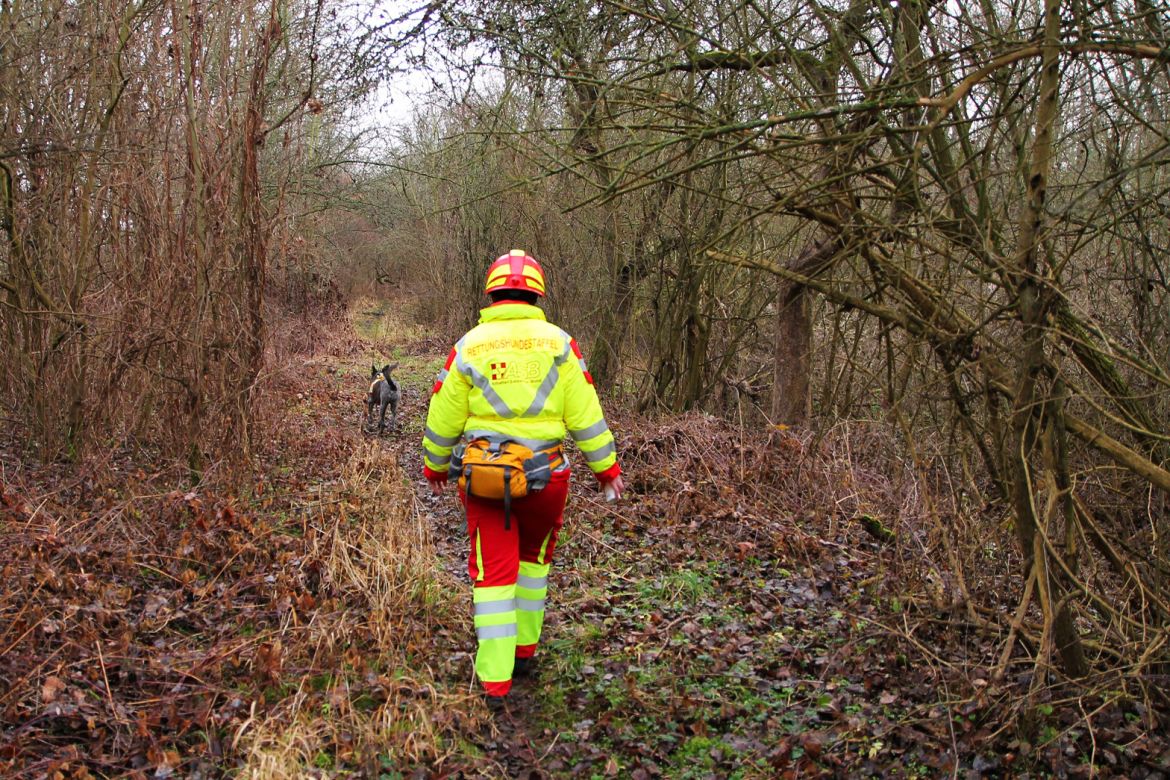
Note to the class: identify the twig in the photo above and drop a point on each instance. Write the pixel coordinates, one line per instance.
(106, 679)
(927, 652)
(40, 506)
(248, 722)
(556, 738)
(1017, 622)
(598, 541)
(160, 571)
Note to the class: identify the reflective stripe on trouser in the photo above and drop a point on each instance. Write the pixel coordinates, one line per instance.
(531, 590)
(495, 628)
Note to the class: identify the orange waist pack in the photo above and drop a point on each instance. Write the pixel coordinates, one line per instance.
(503, 469)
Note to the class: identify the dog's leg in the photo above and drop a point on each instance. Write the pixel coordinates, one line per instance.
(382, 419)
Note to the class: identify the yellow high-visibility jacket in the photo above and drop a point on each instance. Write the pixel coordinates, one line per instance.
(519, 376)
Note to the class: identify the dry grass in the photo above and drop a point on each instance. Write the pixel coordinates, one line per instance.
(387, 556)
(388, 706)
(382, 323)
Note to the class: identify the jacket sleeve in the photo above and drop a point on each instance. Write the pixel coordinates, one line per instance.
(446, 417)
(585, 420)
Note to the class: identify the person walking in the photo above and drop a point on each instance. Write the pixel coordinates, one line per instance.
(499, 411)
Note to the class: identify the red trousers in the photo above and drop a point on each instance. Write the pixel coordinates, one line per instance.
(536, 520)
(509, 568)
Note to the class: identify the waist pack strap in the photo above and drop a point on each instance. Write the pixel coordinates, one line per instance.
(540, 467)
(507, 499)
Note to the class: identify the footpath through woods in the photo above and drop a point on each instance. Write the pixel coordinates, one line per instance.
(732, 617)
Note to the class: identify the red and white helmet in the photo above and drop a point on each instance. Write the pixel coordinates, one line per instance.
(516, 270)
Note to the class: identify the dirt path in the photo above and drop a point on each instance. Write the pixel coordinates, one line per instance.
(510, 743)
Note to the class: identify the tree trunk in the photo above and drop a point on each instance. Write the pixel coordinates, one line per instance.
(1036, 373)
(253, 257)
(791, 401)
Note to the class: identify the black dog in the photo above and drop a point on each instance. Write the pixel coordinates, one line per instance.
(384, 392)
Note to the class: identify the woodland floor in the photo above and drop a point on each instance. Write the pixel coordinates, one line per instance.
(731, 618)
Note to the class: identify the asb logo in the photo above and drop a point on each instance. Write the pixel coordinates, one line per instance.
(499, 371)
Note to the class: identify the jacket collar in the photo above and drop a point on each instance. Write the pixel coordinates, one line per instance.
(507, 310)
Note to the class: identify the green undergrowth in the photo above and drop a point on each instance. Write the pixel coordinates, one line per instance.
(384, 323)
(390, 336)
(691, 670)
(387, 336)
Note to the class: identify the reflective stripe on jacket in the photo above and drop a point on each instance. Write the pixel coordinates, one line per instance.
(517, 375)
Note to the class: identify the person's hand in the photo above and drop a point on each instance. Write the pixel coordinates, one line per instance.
(617, 485)
(437, 486)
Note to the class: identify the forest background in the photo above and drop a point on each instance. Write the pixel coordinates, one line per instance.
(929, 235)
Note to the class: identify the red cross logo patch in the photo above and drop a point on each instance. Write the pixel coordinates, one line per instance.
(499, 371)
